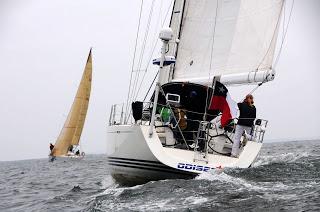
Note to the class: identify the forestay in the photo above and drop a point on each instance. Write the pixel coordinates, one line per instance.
(234, 39)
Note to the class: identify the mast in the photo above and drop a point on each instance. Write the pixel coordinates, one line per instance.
(175, 25)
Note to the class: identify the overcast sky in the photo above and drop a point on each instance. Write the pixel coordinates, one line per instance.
(43, 50)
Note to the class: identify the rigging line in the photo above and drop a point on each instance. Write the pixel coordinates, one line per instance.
(211, 56)
(144, 74)
(153, 43)
(142, 50)
(273, 36)
(171, 111)
(285, 30)
(284, 36)
(284, 19)
(154, 79)
(152, 52)
(214, 32)
(134, 55)
(140, 59)
(153, 49)
(259, 84)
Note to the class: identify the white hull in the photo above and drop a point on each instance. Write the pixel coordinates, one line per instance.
(65, 158)
(134, 157)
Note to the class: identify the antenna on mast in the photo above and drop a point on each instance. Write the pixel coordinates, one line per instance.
(165, 35)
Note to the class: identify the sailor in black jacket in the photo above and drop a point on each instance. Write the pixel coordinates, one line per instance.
(245, 122)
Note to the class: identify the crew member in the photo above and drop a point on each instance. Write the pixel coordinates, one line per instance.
(178, 120)
(245, 122)
(180, 116)
(51, 147)
(78, 152)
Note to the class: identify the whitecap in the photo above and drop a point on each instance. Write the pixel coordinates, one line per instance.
(192, 200)
(115, 190)
(107, 182)
(225, 178)
(282, 158)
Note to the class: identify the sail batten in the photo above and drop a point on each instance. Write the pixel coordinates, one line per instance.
(225, 37)
(73, 126)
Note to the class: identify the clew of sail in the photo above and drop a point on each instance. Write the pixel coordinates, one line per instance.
(233, 39)
(72, 128)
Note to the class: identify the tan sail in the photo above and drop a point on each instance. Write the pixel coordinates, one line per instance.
(72, 129)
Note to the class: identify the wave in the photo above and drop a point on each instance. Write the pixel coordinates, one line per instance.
(223, 177)
(116, 190)
(282, 158)
(107, 182)
(195, 200)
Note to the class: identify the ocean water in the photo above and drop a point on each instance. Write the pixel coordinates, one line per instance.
(285, 177)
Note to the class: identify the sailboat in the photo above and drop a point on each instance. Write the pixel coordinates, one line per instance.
(230, 42)
(67, 144)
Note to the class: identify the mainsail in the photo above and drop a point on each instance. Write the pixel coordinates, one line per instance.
(72, 129)
(233, 39)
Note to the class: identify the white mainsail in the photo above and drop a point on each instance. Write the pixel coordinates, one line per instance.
(72, 129)
(234, 39)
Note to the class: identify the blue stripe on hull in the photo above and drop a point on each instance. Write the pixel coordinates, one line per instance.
(141, 171)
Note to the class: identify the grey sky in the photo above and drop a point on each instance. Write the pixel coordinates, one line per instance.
(43, 49)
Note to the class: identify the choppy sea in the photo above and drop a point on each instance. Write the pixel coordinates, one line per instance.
(285, 177)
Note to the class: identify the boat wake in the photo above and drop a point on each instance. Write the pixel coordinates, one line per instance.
(225, 178)
(278, 178)
(116, 190)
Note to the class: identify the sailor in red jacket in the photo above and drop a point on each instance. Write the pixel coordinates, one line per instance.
(245, 122)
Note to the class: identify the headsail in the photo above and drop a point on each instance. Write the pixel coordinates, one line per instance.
(72, 129)
(234, 39)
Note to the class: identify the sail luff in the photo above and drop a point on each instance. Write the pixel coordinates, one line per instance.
(175, 24)
(72, 128)
(86, 88)
(177, 31)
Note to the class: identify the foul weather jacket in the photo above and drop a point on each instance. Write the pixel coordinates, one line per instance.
(247, 114)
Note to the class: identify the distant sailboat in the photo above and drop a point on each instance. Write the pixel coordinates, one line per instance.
(67, 144)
